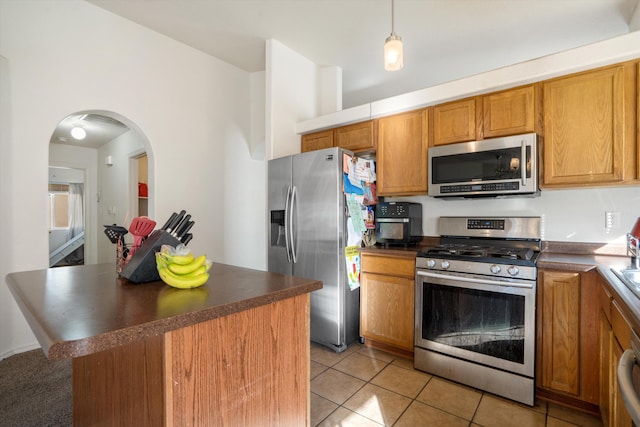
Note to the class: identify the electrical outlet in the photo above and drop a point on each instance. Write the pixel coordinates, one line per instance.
(611, 220)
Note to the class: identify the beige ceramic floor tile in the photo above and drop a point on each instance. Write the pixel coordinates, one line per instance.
(496, 412)
(317, 369)
(555, 422)
(360, 366)
(403, 363)
(335, 386)
(378, 404)
(403, 381)
(574, 416)
(343, 417)
(451, 397)
(376, 354)
(320, 408)
(419, 414)
(326, 356)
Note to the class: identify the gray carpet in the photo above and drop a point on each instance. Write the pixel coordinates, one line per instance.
(35, 391)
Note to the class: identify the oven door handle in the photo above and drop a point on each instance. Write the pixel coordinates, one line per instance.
(475, 280)
(523, 163)
(625, 383)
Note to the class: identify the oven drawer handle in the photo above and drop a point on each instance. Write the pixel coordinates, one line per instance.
(475, 280)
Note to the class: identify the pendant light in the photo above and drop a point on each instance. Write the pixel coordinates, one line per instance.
(393, 60)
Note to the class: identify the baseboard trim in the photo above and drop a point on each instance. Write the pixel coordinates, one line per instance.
(19, 350)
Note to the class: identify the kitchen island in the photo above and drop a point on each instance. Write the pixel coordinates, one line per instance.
(232, 352)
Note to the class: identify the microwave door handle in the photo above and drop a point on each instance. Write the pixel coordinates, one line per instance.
(625, 383)
(523, 163)
(291, 227)
(287, 208)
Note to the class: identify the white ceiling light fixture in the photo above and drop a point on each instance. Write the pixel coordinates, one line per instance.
(393, 58)
(78, 133)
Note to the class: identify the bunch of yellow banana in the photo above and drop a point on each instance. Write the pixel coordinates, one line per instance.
(182, 271)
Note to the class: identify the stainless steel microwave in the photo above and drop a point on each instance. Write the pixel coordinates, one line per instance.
(492, 167)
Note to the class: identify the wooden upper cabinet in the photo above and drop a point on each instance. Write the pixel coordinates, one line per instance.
(455, 121)
(402, 154)
(589, 126)
(512, 112)
(356, 137)
(316, 141)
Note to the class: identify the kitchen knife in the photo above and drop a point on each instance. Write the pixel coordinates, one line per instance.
(176, 221)
(180, 225)
(169, 221)
(183, 230)
(186, 238)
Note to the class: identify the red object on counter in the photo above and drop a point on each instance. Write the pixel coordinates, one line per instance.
(635, 231)
(143, 190)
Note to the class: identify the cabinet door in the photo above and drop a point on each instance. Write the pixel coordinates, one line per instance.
(402, 154)
(512, 112)
(455, 122)
(356, 137)
(586, 128)
(560, 331)
(620, 417)
(316, 141)
(387, 309)
(606, 337)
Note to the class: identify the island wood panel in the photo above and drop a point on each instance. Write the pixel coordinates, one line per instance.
(121, 386)
(247, 369)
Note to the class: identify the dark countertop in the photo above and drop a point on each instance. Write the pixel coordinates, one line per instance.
(75, 311)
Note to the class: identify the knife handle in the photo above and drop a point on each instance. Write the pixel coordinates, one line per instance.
(177, 228)
(169, 221)
(176, 221)
(186, 238)
(184, 228)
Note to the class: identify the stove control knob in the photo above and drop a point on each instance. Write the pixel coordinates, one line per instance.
(495, 269)
(513, 270)
(444, 265)
(431, 263)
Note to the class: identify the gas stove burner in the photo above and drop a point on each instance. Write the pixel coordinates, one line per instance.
(510, 253)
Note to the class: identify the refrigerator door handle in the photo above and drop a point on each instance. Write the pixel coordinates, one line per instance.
(291, 234)
(287, 210)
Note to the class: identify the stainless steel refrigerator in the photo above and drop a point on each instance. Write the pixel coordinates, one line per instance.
(307, 235)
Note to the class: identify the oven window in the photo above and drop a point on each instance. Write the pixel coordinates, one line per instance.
(484, 322)
(480, 166)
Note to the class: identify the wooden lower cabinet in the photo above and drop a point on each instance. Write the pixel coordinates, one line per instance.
(615, 336)
(567, 338)
(387, 302)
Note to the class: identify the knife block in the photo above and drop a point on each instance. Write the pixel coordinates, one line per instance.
(142, 266)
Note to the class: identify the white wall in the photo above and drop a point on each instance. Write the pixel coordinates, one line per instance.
(67, 56)
(113, 189)
(568, 215)
(291, 96)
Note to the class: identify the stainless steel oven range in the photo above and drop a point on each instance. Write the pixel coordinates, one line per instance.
(475, 304)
